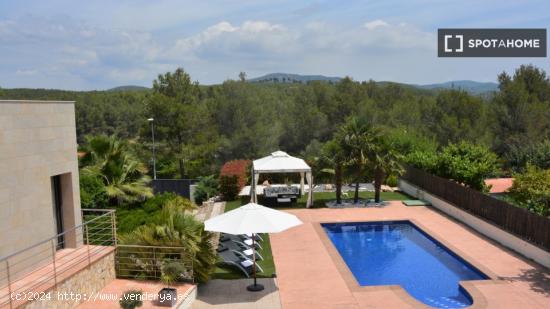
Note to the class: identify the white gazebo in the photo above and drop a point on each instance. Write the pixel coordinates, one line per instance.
(282, 162)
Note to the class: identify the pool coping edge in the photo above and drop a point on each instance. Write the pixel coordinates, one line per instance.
(479, 300)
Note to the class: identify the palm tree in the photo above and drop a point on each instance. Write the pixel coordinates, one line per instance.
(124, 176)
(334, 155)
(384, 161)
(358, 139)
(176, 227)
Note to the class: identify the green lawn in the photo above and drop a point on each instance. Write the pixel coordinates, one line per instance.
(319, 199)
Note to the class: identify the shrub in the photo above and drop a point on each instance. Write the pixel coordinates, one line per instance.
(132, 216)
(92, 192)
(131, 299)
(172, 272)
(229, 187)
(532, 190)
(207, 187)
(462, 162)
(391, 181)
(424, 160)
(173, 228)
(239, 168)
(468, 164)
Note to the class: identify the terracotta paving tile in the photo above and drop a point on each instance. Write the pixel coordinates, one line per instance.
(41, 279)
(309, 276)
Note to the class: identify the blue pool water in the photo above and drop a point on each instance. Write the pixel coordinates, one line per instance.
(399, 253)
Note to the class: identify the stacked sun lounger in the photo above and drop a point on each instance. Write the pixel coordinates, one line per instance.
(237, 251)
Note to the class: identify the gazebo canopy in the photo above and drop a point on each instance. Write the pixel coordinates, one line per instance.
(280, 162)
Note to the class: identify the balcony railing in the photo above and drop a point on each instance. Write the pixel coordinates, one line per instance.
(148, 262)
(47, 263)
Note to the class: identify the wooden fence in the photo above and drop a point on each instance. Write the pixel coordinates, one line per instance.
(518, 221)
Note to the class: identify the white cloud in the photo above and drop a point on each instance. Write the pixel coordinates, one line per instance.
(250, 39)
(67, 53)
(71, 54)
(371, 25)
(25, 72)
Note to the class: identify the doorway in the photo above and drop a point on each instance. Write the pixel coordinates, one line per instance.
(57, 199)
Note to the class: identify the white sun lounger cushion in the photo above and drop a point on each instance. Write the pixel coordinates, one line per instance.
(246, 263)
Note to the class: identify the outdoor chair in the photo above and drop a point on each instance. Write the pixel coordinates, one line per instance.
(240, 247)
(249, 235)
(240, 239)
(239, 260)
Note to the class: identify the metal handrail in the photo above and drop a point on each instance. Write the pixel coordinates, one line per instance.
(127, 266)
(156, 247)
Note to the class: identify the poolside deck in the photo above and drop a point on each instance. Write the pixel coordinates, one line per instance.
(311, 273)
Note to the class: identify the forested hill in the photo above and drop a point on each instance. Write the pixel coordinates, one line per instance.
(470, 86)
(205, 126)
(292, 78)
(129, 88)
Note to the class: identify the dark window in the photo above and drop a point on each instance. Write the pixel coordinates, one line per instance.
(57, 210)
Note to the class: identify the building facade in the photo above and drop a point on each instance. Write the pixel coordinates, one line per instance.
(39, 191)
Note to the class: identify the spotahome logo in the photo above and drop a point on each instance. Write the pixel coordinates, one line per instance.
(491, 42)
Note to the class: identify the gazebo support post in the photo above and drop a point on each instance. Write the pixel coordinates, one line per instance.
(254, 287)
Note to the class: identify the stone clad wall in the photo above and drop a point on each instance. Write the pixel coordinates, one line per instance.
(37, 141)
(85, 283)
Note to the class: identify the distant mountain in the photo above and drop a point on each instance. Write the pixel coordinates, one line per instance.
(128, 88)
(292, 78)
(470, 86)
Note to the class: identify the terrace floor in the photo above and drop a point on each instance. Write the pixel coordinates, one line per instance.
(311, 273)
(232, 294)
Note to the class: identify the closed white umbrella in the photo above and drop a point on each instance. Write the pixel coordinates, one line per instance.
(252, 219)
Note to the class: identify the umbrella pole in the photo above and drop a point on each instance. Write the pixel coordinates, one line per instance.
(254, 287)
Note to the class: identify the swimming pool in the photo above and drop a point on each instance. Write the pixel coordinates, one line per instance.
(400, 253)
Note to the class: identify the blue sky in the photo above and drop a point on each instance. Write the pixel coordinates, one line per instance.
(87, 45)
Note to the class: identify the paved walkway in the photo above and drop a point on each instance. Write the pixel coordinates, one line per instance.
(311, 274)
(233, 294)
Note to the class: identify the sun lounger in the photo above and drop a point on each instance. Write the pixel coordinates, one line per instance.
(240, 239)
(237, 259)
(240, 247)
(258, 237)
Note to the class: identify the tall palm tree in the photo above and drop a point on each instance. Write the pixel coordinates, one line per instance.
(335, 156)
(124, 176)
(384, 161)
(358, 139)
